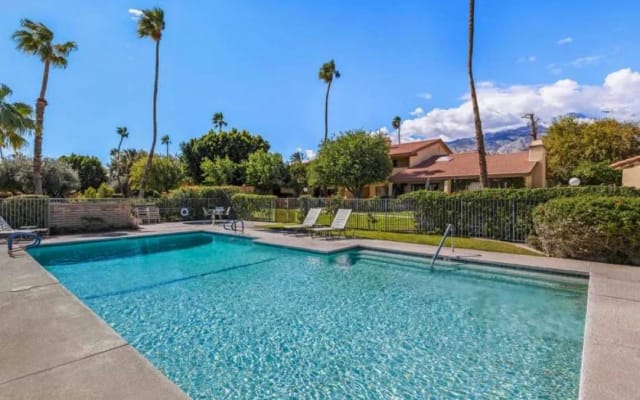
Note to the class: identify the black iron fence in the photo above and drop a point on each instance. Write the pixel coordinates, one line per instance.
(508, 220)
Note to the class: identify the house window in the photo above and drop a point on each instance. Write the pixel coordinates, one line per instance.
(395, 163)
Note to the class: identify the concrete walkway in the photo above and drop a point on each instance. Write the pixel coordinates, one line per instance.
(54, 347)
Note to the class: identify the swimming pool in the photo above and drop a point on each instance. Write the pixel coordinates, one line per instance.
(225, 317)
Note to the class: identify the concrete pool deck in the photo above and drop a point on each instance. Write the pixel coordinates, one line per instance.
(54, 347)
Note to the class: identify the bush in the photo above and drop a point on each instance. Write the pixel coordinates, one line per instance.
(590, 228)
(254, 206)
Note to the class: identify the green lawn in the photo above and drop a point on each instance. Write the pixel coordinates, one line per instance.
(463, 243)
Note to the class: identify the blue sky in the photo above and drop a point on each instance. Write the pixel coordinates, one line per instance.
(257, 62)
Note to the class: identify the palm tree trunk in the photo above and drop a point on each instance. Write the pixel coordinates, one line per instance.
(326, 112)
(482, 160)
(398, 135)
(41, 103)
(167, 150)
(118, 161)
(147, 168)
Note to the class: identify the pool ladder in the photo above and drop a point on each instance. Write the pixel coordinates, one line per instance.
(233, 225)
(447, 232)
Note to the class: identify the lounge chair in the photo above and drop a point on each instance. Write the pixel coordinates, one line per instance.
(6, 229)
(339, 224)
(309, 221)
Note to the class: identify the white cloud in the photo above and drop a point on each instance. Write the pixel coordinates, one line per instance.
(501, 107)
(135, 13)
(309, 154)
(583, 61)
(417, 112)
(425, 95)
(529, 59)
(554, 69)
(566, 40)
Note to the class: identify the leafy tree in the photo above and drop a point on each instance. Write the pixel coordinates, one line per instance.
(165, 174)
(265, 171)
(15, 122)
(123, 132)
(166, 140)
(353, 160)
(234, 144)
(297, 176)
(36, 39)
(218, 121)
(120, 166)
(58, 178)
(89, 169)
(151, 24)
(219, 172)
(327, 73)
(396, 123)
(597, 173)
(482, 159)
(569, 142)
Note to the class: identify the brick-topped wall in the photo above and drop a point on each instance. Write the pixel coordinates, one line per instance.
(90, 216)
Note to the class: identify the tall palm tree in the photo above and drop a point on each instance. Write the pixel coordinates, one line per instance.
(166, 140)
(15, 122)
(151, 24)
(123, 132)
(482, 159)
(218, 121)
(397, 123)
(327, 73)
(36, 39)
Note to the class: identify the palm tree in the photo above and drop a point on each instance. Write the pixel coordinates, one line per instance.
(36, 39)
(396, 123)
(327, 73)
(166, 141)
(482, 160)
(218, 121)
(151, 24)
(15, 122)
(123, 132)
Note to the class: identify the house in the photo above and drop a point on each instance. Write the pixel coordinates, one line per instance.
(630, 171)
(431, 164)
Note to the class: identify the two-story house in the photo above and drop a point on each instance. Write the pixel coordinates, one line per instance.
(431, 164)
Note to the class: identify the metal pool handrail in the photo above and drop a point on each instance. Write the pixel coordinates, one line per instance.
(448, 231)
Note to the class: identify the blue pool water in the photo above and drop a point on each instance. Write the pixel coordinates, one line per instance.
(227, 318)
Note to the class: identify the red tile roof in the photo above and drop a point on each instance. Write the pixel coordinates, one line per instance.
(411, 148)
(465, 165)
(629, 162)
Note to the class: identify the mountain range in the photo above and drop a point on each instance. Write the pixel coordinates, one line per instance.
(505, 141)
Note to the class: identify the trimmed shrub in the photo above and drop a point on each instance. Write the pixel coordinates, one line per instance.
(590, 228)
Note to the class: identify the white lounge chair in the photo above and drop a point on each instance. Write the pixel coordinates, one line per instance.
(6, 229)
(309, 221)
(339, 224)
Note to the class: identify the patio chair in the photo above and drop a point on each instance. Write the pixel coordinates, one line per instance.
(339, 224)
(309, 221)
(208, 213)
(222, 213)
(148, 214)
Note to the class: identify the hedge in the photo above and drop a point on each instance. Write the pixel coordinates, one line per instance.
(590, 228)
(254, 206)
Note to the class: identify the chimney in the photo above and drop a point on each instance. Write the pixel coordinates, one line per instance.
(538, 154)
